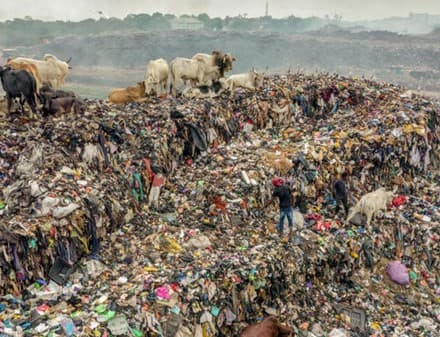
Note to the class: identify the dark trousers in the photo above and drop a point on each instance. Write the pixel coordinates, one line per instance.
(285, 212)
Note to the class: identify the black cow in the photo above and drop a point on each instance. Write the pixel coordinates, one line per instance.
(21, 84)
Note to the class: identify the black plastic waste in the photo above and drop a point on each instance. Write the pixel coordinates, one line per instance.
(60, 271)
(198, 137)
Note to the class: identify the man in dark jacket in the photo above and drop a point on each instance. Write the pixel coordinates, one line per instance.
(340, 193)
(284, 194)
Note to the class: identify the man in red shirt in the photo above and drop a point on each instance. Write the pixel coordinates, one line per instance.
(284, 194)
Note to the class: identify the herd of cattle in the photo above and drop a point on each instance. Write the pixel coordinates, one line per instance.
(32, 80)
(203, 75)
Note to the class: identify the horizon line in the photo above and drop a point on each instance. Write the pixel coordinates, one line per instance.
(331, 17)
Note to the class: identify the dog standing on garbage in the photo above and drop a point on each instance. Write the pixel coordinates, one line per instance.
(372, 202)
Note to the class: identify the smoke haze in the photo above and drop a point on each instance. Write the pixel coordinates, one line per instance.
(83, 9)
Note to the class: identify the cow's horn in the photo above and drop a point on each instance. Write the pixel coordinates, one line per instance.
(70, 59)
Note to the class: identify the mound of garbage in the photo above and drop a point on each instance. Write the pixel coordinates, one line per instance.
(149, 219)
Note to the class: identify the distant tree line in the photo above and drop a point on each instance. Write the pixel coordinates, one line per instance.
(27, 31)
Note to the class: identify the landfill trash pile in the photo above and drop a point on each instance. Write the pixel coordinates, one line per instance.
(148, 219)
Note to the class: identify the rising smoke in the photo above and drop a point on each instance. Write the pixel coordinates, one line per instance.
(81, 9)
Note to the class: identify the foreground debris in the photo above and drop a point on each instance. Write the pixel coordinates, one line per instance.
(147, 219)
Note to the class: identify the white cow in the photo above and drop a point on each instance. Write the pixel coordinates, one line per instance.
(191, 70)
(218, 59)
(156, 77)
(372, 202)
(52, 70)
(251, 80)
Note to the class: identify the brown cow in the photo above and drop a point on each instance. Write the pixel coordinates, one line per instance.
(30, 68)
(63, 105)
(126, 95)
(269, 327)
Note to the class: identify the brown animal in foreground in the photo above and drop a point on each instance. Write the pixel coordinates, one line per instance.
(269, 327)
(64, 105)
(49, 92)
(126, 95)
(30, 68)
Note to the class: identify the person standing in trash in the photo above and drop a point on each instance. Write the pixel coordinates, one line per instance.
(340, 193)
(284, 194)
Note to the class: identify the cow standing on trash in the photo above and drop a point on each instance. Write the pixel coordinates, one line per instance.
(156, 77)
(19, 84)
(198, 72)
(217, 59)
(59, 105)
(202, 69)
(59, 101)
(52, 71)
(30, 68)
(251, 80)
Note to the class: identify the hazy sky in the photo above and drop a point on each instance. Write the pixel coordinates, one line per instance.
(76, 10)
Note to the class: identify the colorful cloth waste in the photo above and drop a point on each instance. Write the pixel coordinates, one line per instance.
(89, 247)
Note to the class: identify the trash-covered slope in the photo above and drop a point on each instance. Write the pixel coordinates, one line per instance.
(206, 260)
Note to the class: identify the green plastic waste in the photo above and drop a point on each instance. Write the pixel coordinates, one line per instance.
(32, 243)
(110, 315)
(136, 332)
(100, 309)
(137, 187)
